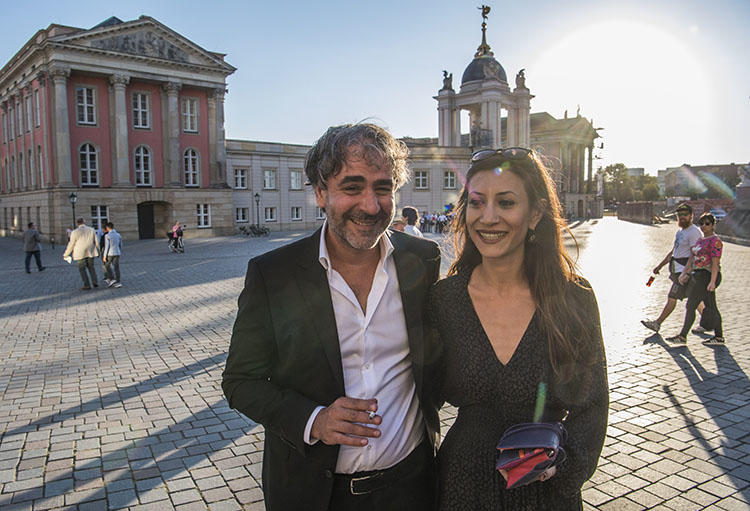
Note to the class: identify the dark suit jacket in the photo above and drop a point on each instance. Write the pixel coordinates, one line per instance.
(284, 360)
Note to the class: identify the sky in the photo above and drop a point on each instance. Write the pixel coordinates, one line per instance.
(667, 80)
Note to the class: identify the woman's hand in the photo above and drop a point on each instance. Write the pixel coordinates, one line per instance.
(711, 287)
(683, 278)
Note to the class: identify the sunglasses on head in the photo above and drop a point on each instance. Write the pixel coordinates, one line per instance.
(511, 153)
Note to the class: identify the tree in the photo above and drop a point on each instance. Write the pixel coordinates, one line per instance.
(651, 192)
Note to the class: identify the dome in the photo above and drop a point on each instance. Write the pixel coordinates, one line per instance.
(484, 68)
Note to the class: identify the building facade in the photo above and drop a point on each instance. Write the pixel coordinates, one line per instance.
(125, 117)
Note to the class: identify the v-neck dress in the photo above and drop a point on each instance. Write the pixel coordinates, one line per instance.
(492, 396)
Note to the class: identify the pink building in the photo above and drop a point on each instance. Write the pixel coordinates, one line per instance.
(127, 118)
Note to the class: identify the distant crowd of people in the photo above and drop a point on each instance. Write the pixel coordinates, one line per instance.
(411, 223)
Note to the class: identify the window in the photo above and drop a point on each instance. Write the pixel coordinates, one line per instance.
(11, 124)
(28, 113)
(240, 178)
(204, 215)
(140, 110)
(295, 180)
(269, 214)
(320, 213)
(99, 216)
(30, 167)
(420, 179)
(85, 108)
(37, 109)
(89, 165)
(40, 165)
(296, 213)
(142, 166)
(5, 129)
(191, 167)
(19, 117)
(269, 179)
(449, 180)
(21, 173)
(241, 215)
(190, 115)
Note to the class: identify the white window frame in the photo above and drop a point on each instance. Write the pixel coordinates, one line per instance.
(449, 180)
(85, 106)
(143, 166)
(421, 180)
(269, 179)
(191, 167)
(241, 215)
(269, 214)
(27, 106)
(37, 109)
(296, 213)
(99, 216)
(295, 179)
(320, 213)
(189, 111)
(141, 105)
(203, 212)
(240, 178)
(91, 153)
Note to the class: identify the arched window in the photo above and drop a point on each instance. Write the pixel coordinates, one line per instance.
(89, 165)
(142, 166)
(191, 166)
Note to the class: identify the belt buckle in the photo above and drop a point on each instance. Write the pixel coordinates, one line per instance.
(363, 478)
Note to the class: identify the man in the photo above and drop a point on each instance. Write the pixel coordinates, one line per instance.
(31, 245)
(330, 351)
(677, 258)
(410, 215)
(84, 246)
(112, 253)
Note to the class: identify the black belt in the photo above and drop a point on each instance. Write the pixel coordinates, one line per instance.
(362, 483)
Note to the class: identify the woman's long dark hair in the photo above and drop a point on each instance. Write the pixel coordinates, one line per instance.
(548, 269)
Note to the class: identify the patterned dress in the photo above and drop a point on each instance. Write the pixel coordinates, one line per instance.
(491, 397)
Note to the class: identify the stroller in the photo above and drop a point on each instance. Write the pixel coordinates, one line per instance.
(175, 242)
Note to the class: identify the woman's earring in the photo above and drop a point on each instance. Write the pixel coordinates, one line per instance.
(531, 236)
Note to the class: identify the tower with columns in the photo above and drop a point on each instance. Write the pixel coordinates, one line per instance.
(484, 93)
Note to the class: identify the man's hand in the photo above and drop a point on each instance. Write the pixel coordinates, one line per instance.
(342, 423)
(656, 270)
(104, 258)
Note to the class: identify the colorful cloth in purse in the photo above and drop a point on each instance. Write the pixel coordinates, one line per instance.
(528, 449)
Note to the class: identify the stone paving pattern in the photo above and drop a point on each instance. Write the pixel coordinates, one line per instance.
(111, 398)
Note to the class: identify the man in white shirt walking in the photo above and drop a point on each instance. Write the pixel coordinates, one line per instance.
(330, 350)
(112, 253)
(677, 258)
(84, 247)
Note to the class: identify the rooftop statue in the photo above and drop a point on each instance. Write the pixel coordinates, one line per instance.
(447, 80)
(521, 79)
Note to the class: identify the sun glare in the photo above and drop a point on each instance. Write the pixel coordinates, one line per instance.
(633, 79)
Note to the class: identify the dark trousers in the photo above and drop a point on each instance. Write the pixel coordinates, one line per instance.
(414, 491)
(87, 262)
(699, 293)
(113, 263)
(38, 258)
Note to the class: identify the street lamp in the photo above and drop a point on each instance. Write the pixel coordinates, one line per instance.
(257, 209)
(73, 198)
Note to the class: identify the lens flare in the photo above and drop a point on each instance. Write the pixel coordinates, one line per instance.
(716, 185)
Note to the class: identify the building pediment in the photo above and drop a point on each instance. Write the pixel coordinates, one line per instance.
(145, 38)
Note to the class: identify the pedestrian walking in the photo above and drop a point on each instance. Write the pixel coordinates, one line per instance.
(84, 247)
(705, 264)
(411, 216)
(32, 247)
(112, 252)
(677, 258)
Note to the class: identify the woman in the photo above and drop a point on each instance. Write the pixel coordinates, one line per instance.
(706, 263)
(511, 314)
(176, 233)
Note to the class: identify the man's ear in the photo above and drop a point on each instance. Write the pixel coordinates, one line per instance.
(538, 212)
(320, 196)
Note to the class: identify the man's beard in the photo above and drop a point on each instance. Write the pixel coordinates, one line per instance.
(348, 233)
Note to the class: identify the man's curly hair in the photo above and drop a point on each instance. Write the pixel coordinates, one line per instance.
(365, 141)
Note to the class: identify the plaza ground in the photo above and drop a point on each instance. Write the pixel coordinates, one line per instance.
(111, 398)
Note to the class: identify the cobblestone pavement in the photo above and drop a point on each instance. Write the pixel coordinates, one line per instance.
(111, 398)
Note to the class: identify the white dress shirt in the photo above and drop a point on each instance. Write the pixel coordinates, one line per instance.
(377, 364)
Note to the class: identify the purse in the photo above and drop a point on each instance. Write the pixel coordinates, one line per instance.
(528, 449)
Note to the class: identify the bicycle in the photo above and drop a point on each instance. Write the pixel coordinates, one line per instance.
(254, 230)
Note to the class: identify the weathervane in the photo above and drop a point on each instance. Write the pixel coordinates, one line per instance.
(484, 48)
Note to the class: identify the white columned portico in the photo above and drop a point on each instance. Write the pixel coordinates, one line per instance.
(217, 149)
(172, 176)
(121, 170)
(63, 171)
